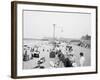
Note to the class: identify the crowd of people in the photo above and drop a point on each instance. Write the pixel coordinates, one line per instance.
(63, 54)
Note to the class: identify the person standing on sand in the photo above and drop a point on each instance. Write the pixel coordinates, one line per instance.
(82, 59)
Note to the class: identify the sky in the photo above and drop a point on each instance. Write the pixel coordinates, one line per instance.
(39, 24)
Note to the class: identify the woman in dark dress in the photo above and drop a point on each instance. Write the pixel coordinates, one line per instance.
(67, 63)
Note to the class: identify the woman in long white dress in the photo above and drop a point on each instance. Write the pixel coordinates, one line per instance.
(82, 59)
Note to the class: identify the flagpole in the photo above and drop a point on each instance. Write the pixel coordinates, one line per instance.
(54, 25)
(54, 32)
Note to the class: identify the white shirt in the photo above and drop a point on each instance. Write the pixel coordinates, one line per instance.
(82, 60)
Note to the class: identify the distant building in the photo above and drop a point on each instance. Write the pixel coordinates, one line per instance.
(86, 37)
